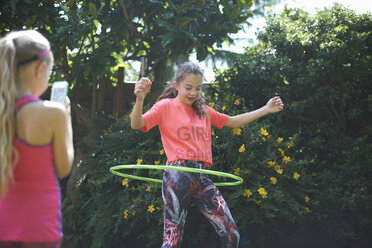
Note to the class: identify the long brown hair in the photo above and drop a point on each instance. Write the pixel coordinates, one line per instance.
(171, 92)
(16, 48)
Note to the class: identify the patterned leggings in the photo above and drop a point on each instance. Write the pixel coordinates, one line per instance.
(179, 188)
(12, 244)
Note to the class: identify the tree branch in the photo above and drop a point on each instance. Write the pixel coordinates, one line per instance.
(125, 12)
(131, 24)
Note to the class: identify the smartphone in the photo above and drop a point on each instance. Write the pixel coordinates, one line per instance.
(59, 91)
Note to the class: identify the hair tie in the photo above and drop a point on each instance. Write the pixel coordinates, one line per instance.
(36, 57)
(43, 54)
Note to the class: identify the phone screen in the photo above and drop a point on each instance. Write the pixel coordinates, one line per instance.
(59, 91)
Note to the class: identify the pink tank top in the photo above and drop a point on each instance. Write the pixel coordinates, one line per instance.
(31, 210)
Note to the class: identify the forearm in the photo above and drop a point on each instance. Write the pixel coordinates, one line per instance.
(137, 122)
(243, 119)
(70, 150)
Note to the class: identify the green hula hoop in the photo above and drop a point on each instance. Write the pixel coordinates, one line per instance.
(114, 171)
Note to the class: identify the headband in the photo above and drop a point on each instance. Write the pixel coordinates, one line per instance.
(36, 57)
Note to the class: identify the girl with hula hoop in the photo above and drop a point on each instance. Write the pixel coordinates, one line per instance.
(35, 144)
(185, 126)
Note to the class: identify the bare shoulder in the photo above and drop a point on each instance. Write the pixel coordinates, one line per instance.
(54, 112)
(53, 106)
(43, 110)
(48, 113)
(38, 121)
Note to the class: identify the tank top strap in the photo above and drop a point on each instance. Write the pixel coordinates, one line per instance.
(24, 100)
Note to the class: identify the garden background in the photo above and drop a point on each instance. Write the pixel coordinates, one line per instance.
(307, 170)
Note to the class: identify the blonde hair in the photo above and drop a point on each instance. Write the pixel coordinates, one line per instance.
(17, 49)
(171, 92)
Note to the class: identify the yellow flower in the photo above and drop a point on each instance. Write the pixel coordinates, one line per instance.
(213, 133)
(264, 132)
(278, 169)
(237, 131)
(247, 193)
(273, 180)
(211, 104)
(280, 139)
(258, 202)
(130, 115)
(281, 151)
(242, 148)
(236, 171)
(223, 108)
(262, 192)
(125, 182)
(286, 159)
(237, 101)
(134, 212)
(264, 138)
(271, 163)
(307, 210)
(148, 189)
(289, 145)
(151, 209)
(161, 152)
(296, 175)
(125, 214)
(139, 161)
(157, 162)
(307, 199)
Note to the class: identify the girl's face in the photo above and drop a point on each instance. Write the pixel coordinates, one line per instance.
(189, 89)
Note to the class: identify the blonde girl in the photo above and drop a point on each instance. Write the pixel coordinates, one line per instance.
(35, 144)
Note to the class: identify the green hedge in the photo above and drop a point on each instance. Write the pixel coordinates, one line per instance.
(306, 170)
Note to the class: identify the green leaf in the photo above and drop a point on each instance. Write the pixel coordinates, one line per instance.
(92, 9)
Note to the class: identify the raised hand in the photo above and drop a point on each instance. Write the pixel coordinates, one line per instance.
(142, 87)
(274, 105)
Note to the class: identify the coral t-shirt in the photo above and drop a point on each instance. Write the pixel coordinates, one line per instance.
(184, 134)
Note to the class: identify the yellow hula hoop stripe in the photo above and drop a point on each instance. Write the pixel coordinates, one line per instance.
(114, 170)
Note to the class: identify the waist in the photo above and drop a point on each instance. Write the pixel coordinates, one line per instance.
(188, 163)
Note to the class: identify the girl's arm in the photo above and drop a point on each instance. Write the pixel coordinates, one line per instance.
(273, 105)
(63, 148)
(141, 89)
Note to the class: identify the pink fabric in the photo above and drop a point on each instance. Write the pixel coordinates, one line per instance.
(183, 133)
(31, 210)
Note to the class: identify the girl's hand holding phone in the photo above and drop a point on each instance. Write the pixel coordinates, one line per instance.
(68, 105)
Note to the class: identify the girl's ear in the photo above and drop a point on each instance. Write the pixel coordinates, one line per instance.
(176, 85)
(40, 69)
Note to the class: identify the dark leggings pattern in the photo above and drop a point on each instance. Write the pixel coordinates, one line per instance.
(12, 244)
(179, 188)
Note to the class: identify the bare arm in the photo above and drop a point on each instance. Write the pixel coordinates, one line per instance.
(141, 89)
(63, 149)
(273, 105)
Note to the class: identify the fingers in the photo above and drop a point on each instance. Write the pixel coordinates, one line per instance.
(277, 100)
(143, 83)
(68, 105)
(276, 103)
(142, 87)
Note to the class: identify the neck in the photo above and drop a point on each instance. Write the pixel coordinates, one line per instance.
(25, 81)
(23, 91)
